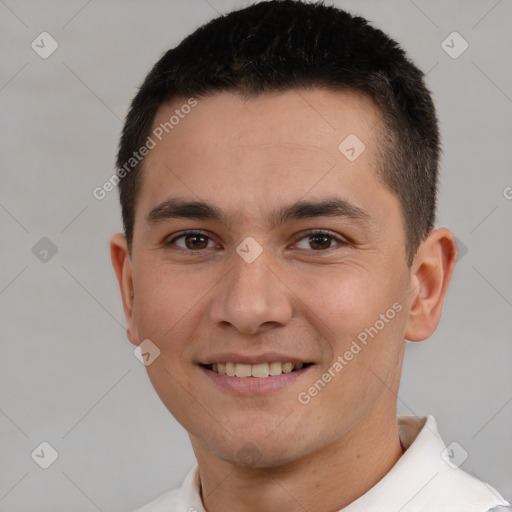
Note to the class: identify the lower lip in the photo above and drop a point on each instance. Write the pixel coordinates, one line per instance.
(251, 386)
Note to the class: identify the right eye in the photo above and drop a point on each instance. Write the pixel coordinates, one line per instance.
(192, 241)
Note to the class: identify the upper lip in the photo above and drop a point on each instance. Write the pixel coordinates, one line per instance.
(270, 357)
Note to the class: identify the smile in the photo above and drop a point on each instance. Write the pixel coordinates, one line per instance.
(259, 371)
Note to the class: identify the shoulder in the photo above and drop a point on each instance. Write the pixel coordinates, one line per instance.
(472, 492)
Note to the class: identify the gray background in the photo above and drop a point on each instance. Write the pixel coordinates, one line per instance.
(67, 372)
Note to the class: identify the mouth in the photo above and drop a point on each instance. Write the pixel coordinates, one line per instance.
(258, 371)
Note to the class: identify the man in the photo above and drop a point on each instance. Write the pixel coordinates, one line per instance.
(278, 177)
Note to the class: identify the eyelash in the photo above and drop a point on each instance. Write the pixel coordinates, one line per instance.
(309, 233)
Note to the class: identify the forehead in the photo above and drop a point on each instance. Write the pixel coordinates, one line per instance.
(292, 143)
(313, 119)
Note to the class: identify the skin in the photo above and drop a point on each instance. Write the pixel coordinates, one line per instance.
(304, 296)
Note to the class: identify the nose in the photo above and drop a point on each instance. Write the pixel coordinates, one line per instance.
(252, 297)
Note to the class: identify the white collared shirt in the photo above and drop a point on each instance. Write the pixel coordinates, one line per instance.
(425, 479)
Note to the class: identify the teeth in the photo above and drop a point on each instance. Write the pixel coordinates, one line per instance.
(275, 368)
(287, 367)
(243, 370)
(230, 369)
(259, 371)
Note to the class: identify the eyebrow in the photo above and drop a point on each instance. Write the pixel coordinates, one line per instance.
(202, 210)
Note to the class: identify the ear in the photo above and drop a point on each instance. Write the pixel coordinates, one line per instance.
(121, 261)
(431, 270)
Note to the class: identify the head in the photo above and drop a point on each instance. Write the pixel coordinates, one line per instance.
(260, 129)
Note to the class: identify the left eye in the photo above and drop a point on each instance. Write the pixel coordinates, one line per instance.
(319, 241)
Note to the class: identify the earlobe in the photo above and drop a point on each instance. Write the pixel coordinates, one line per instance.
(432, 271)
(121, 261)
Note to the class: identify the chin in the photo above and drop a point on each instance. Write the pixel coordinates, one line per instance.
(250, 456)
(256, 451)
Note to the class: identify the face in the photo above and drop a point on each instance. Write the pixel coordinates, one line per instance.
(260, 246)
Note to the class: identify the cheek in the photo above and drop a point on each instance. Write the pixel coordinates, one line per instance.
(362, 316)
(366, 335)
(166, 300)
(346, 299)
(168, 307)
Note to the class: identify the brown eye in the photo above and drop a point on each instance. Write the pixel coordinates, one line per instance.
(192, 241)
(319, 241)
(196, 241)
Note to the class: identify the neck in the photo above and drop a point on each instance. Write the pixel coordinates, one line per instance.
(324, 481)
